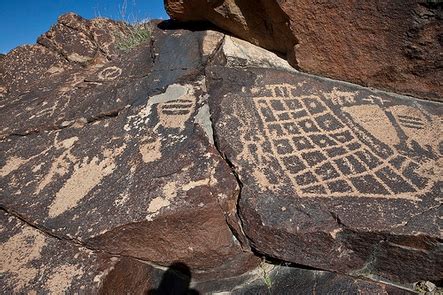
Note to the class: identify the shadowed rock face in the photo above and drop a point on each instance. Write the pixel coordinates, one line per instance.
(395, 45)
(301, 281)
(193, 149)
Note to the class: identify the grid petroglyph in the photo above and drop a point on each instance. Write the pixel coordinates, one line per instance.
(351, 150)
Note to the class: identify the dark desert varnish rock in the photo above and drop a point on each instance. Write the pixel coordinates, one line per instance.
(334, 176)
(292, 280)
(117, 156)
(33, 262)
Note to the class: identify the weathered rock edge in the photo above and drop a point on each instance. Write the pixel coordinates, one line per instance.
(394, 45)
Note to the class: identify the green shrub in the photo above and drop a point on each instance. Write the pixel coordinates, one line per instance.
(136, 35)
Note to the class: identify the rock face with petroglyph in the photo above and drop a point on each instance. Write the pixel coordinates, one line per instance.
(116, 157)
(334, 176)
(202, 148)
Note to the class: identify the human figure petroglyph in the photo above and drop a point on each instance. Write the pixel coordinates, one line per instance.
(342, 151)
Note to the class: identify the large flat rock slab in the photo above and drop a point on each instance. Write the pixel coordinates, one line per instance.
(69, 96)
(334, 176)
(146, 184)
(118, 156)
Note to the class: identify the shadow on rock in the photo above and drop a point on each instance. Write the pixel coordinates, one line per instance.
(194, 26)
(175, 281)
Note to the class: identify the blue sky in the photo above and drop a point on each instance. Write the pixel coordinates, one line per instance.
(22, 21)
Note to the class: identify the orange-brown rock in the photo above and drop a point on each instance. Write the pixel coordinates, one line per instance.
(395, 45)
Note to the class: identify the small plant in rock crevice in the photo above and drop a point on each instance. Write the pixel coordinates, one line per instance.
(266, 278)
(139, 29)
(136, 34)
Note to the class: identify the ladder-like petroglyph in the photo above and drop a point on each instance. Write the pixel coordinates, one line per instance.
(335, 145)
(163, 112)
(174, 113)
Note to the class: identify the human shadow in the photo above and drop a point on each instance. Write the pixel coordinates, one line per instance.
(175, 281)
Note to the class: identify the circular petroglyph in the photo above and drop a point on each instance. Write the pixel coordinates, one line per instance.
(110, 73)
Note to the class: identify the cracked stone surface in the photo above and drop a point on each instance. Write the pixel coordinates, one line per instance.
(283, 279)
(80, 40)
(334, 176)
(121, 160)
(35, 263)
(115, 165)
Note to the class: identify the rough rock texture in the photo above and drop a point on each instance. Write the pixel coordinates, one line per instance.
(334, 176)
(33, 262)
(79, 40)
(292, 280)
(117, 156)
(169, 164)
(395, 45)
(71, 44)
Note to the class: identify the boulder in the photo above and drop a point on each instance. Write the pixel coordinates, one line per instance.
(395, 45)
(79, 40)
(72, 43)
(333, 176)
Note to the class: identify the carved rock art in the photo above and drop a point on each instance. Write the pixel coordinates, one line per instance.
(199, 154)
(151, 166)
(332, 171)
(346, 149)
(32, 261)
(110, 73)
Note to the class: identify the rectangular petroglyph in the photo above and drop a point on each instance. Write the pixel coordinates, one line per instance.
(330, 144)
